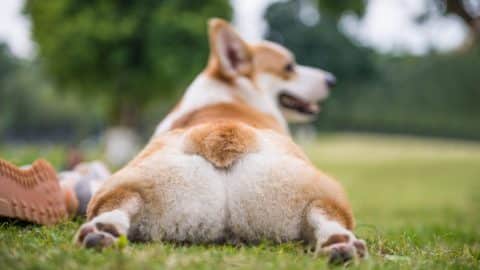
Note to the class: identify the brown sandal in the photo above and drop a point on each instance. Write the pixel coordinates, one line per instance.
(32, 194)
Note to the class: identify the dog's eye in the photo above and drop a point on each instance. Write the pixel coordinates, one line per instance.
(289, 68)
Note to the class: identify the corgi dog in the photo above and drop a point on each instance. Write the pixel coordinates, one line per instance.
(222, 167)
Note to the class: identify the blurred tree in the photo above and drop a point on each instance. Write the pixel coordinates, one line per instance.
(8, 63)
(8, 67)
(338, 8)
(128, 51)
(23, 85)
(467, 10)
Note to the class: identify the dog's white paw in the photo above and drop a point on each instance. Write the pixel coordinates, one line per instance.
(342, 249)
(103, 231)
(97, 235)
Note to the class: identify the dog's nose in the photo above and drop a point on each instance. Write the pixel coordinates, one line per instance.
(331, 80)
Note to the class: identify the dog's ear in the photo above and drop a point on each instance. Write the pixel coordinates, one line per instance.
(229, 53)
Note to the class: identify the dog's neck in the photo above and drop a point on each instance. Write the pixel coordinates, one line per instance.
(206, 91)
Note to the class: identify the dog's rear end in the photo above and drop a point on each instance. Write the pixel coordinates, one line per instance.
(221, 166)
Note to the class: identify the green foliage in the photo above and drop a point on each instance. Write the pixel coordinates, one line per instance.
(416, 203)
(130, 51)
(29, 108)
(339, 7)
(8, 63)
(8, 67)
(431, 95)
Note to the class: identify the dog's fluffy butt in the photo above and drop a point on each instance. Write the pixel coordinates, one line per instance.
(221, 143)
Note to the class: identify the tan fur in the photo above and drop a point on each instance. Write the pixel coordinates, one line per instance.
(264, 57)
(236, 112)
(336, 239)
(153, 147)
(292, 148)
(337, 208)
(222, 142)
(268, 57)
(214, 68)
(118, 190)
(109, 200)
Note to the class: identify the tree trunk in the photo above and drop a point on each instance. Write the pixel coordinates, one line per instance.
(125, 112)
(458, 7)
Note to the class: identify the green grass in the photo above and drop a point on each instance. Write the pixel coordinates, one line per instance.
(417, 204)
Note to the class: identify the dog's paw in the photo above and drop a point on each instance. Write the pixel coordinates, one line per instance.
(97, 235)
(341, 249)
(361, 249)
(347, 252)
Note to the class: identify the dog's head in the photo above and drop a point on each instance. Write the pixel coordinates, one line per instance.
(268, 67)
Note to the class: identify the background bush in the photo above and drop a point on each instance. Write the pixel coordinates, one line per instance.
(107, 62)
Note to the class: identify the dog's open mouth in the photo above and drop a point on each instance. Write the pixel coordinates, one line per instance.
(297, 104)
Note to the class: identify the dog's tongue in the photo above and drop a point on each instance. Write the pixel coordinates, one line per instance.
(299, 104)
(307, 106)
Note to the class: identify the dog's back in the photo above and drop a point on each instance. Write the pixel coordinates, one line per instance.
(221, 179)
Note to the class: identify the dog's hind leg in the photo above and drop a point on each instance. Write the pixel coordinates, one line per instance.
(328, 228)
(109, 215)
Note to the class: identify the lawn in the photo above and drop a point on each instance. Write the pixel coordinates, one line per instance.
(417, 204)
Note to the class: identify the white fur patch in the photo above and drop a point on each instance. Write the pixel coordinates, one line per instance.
(117, 217)
(206, 91)
(309, 85)
(202, 92)
(324, 228)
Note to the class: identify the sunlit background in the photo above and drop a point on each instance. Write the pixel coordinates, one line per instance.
(72, 72)
(90, 79)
